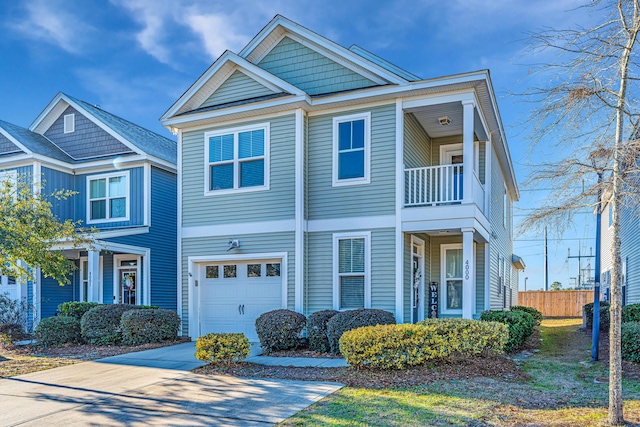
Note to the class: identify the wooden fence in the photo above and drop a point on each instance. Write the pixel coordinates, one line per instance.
(556, 303)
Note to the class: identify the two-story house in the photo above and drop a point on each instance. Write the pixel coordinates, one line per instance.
(312, 176)
(126, 185)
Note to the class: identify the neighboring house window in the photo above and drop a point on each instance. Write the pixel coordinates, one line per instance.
(610, 215)
(505, 207)
(10, 178)
(69, 123)
(108, 197)
(351, 149)
(451, 267)
(237, 159)
(352, 280)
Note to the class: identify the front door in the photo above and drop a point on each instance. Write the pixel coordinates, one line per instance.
(127, 283)
(451, 154)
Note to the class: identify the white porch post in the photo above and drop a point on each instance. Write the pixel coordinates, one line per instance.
(467, 150)
(487, 176)
(468, 269)
(93, 267)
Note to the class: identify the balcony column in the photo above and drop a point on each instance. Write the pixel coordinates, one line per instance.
(467, 150)
(93, 275)
(468, 273)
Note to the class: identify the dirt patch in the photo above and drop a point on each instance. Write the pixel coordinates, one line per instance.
(630, 370)
(451, 369)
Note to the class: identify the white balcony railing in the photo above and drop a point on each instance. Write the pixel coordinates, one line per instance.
(433, 185)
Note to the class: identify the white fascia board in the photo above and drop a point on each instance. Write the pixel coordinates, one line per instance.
(14, 141)
(253, 71)
(324, 43)
(43, 115)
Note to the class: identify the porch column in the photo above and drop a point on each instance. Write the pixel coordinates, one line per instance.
(93, 275)
(467, 150)
(487, 176)
(467, 273)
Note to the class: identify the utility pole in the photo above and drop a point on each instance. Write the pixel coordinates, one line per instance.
(546, 263)
(595, 331)
(579, 256)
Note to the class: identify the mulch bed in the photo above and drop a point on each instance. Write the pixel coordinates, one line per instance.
(630, 370)
(451, 369)
(304, 352)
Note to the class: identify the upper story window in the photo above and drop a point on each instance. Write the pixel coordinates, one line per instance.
(505, 207)
(352, 282)
(610, 215)
(351, 149)
(10, 179)
(108, 197)
(69, 123)
(237, 160)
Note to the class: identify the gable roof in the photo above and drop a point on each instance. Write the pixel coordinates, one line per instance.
(31, 142)
(138, 139)
(384, 63)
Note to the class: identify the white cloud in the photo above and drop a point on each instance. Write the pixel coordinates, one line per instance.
(216, 31)
(52, 23)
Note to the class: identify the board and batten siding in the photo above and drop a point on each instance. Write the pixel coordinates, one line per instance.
(310, 71)
(375, 198)
(630, 250)
(162, 239)
(52, 293)
(249, 244)
(319, 287)
(237, 87)
(277, 203)
(136, 199)
(55, 180)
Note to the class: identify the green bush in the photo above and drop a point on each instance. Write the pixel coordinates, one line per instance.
(537, 316)
(317, 330)
(58, 330)
(630, 341)
(76, 308)
(631, 313)
(146, 326)
(604, 315)
(222, 348)
(10, 332)
(520, 325)
(279, 329)
(352, 319)
(101, 325)
(470, 337)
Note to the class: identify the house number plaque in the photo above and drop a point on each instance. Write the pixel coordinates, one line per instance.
(433, 300)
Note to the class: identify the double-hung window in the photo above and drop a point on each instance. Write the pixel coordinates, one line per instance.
(351, 149)
(352, 282)
(108, 197)
(237, 159)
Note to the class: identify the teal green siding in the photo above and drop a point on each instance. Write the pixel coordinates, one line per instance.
(237, 87)
(375, 198)
(309, 70)
(417, 144)
(217, 246)
(274, 204)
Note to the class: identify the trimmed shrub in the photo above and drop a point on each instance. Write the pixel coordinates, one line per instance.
(537, 316)
(280, 329)
(222, 348)
(630, 341)
(101, 325)
(352, 319)
(470, 337)
(58, 330)
(76, 308)
(631, 313)
(604, 315)
(520, 325)
(146, 326)
(317, 329)
(10, 332)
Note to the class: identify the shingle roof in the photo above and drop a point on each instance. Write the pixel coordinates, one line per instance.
(372, 57)
(35, 142)
(147, 141)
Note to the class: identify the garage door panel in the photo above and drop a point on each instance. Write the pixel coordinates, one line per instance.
(219, 328)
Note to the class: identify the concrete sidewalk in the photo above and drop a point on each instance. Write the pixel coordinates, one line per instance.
(152, 387)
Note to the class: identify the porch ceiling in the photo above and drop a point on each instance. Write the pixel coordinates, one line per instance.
(428, 116)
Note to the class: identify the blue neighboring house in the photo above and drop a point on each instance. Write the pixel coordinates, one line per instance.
(125, 179)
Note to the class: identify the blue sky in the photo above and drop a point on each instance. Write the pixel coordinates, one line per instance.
(134, 58)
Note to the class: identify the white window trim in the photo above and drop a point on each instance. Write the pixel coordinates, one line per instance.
(72, 123)
(443, 278)
(367, 266)
(236, 161)
(12, 176)
(100, 282)
(416, 241)
(610, 216)
(505, 207)
(367, 150)
(449, 150)
(127, 197)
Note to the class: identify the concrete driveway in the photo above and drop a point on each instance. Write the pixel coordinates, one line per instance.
(153, 387)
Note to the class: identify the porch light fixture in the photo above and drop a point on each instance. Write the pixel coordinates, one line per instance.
(444, 120)
(233, 244)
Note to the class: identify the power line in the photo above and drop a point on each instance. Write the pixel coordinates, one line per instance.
(542, 239)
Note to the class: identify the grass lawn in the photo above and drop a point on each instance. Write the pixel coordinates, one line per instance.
(14, 363)
(563, 390)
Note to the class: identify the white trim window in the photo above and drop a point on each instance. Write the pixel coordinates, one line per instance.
(352, 149)
(69, 123)
(237, 159)
(108, 197)
(451, 261)
(10, 179)
(351, 270)
(505, 207)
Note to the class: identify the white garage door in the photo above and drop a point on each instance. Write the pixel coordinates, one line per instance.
(234, 294)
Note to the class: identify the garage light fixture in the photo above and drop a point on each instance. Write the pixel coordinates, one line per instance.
(233, 244)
